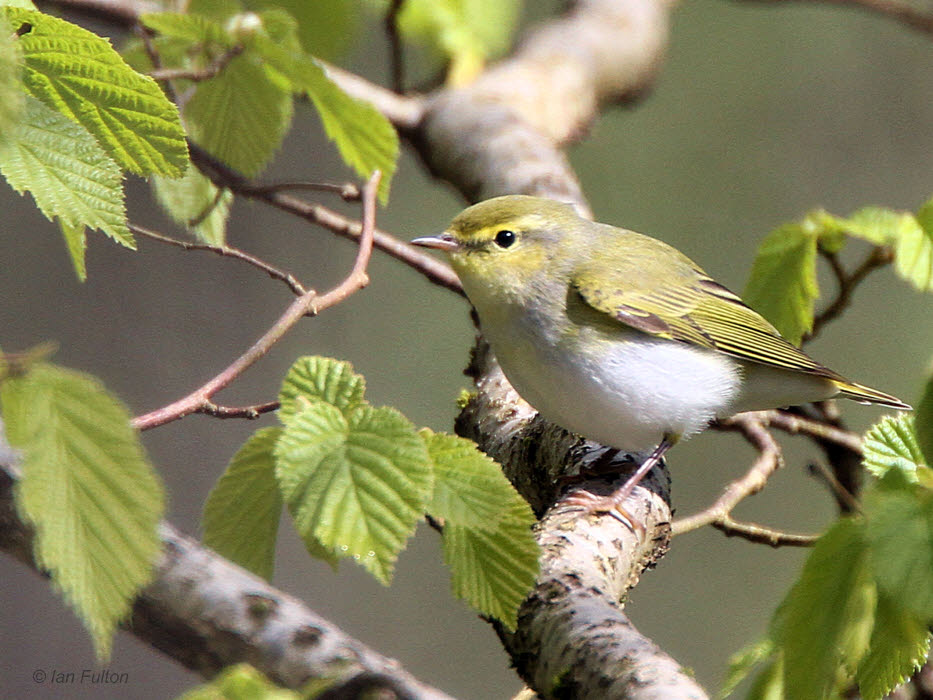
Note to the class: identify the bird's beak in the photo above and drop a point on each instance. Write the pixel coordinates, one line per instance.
(443, 241)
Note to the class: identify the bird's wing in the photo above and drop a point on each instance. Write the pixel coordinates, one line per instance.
(690, 307)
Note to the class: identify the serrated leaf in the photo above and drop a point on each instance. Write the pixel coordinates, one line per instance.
(923, 422)
(494, 570)
(469, 487)
(80, 75)
(190, 27)
(899, 645)
(88, 490)
(196, 203)
(325, 27)
(828, 614)
(240, 682)
(913, 254)
(241, 515)
(242, 114)
(11, 88)
(782, 286)
(899, 518)
(67, 173)
(365, 139)
(75, 242)
(314, 378)
(892, 444)
(358, 483)
(743, 662)
(874, 224)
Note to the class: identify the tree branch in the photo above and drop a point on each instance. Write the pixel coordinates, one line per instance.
(207, 613)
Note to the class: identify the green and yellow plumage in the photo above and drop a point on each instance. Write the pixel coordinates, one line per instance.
(618, 336)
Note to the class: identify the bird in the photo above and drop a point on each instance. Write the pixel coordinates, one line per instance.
(620, 337)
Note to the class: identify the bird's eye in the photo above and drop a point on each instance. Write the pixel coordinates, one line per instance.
(505, 238)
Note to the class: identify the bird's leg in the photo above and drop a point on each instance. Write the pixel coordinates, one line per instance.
(612, 504)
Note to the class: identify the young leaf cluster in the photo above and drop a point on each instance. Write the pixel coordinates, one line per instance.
(86, 488)
(783, 285)
(74, 117)
(356, 479)
(860, 614)
(243, 71)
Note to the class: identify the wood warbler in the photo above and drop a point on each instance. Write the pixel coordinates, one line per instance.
(619, 337)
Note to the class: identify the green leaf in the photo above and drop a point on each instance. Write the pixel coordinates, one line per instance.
(191, 27)
(925, 216)
(913, 254)
(67, 173)
(467, 31)
(365, 139)
(314, 378)
(875, 224)
(357, 483)
(75, 242)
(325, 27)
(742, 662)
(196, 203)
(241, 516)
(899, 518)
(923, 422)
(87, 489)
(80, 75)
(782, 286)
(494, 570)
(242, 114)
(769, 685)
(827, 617)
(469, 487)
(11, 88)
(892, 444)
(240, 682)
(899, 645)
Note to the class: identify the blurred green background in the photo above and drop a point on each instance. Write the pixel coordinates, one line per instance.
(760, 113)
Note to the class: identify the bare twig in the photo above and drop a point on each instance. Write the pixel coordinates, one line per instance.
(396, 59)
(801, 425)
(911, 15)
(249, 412)
(223, 176)
(762, 535)
(198, 74)
(847, 282)
(348, 191)
(225, 251)
(842, 494)
(770, 459)
(308, 304)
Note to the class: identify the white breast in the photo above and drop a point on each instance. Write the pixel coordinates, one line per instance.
(628, 392)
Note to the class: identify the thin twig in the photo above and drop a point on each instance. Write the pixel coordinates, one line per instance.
(846, 283)
(842, 494)
(396, 59)
(249, 412)
(762, 535)
(225, 251)
(348, 191)
(223, 176)
(801, 425)
(209, 71)
(770, 459)
(908, 14)
(308, 303)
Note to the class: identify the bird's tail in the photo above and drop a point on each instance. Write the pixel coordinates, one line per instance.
(865, 394)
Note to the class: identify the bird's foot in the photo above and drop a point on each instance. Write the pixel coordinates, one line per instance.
(590, 503)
